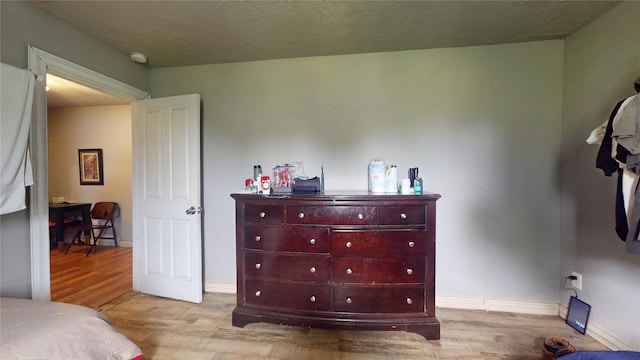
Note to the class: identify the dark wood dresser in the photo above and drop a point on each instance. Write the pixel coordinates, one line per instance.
(340, 260)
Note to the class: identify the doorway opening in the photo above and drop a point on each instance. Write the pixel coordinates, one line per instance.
(80, 117)
(42, 62)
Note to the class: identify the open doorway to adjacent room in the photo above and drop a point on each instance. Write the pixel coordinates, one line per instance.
(80, 117)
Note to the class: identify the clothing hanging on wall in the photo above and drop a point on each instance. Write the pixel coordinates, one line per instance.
(16, 94)
(606, 161)
(619, 140)
(625, 131)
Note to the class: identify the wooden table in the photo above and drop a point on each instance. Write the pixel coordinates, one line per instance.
(59, 210)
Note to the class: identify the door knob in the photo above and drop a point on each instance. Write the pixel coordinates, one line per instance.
(193, 210)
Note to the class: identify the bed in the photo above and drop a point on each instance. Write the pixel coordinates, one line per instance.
(32, 329)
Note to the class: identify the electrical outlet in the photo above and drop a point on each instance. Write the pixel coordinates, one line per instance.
(577, 283)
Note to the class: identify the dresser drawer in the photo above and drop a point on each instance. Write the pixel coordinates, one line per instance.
(402, 215)
(372, 243)
(266, 214)
(379, 299)
(284, 295)
(379, 270)
(287, 267)
(332, 215)
(287, 238)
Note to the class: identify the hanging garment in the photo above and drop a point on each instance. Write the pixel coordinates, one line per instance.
(613, 157)
(626, 125)
(629, 126)
(622, 225)
(632, 242)
(604, 159)
(16, 95)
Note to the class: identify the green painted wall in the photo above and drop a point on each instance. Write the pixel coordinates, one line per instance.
(482, 124)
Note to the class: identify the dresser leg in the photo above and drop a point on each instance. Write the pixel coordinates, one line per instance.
(240, 319)
(429, 331)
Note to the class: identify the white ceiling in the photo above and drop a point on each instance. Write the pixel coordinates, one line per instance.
(179, 33)
(64, 93)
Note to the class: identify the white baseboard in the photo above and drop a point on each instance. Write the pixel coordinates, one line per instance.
(521, 307)
(219, 287)
(110, 243)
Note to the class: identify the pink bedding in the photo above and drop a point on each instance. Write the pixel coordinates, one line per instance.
(51, 330)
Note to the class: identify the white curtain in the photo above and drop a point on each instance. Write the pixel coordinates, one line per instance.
(16, 104)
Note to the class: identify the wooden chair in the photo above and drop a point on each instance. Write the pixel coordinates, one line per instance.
(102, 219)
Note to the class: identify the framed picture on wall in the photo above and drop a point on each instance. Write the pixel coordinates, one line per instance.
(90, 164)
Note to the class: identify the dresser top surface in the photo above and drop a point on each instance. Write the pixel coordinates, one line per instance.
(342, 195)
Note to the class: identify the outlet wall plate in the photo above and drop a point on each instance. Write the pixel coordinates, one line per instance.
(577, 283)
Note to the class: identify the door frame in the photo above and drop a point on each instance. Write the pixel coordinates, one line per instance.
(40, 62)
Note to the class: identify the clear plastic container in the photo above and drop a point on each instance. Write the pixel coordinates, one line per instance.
(377, 176)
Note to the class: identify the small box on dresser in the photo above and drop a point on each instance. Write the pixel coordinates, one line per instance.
(341, 260)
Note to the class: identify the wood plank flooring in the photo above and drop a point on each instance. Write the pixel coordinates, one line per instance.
(90, 280)
(170, 329)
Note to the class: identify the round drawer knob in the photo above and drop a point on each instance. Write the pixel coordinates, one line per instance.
(403, 216)
(409, 271)
(313, 269)
(263, 214)
(349, 244)
(349, 271)
(258, 293)
(360, 216)
(412, 244)
(258, 266)
(312, 241)
(409, 301)
(312, 298)
(349, 301)
(258, 237)
(301, 215)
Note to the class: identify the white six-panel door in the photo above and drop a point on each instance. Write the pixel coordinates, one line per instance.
(167, 244)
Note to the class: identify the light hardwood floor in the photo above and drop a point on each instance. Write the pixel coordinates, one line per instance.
(170, 329)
